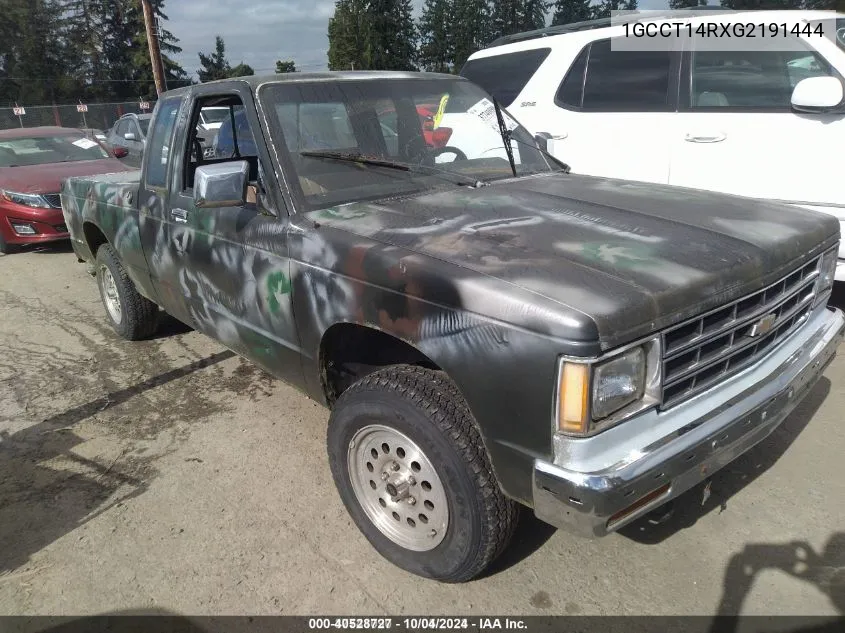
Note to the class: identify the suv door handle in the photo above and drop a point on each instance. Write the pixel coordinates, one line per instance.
(715, 138)
(179, 215)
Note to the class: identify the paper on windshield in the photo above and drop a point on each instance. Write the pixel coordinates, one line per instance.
(486, 111)
(85, 143)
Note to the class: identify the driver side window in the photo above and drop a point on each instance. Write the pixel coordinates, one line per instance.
(232, 141)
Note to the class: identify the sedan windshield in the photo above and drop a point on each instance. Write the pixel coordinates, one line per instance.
(41, 150)
(366, 139)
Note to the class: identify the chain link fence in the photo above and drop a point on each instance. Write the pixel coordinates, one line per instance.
(99, 116)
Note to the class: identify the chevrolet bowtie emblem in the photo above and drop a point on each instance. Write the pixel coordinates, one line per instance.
(764, 325)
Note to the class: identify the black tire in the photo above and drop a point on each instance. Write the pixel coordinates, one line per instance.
(427, 407)
(138, 315)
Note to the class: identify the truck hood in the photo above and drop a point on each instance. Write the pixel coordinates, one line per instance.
(47, 178)
(633, 257)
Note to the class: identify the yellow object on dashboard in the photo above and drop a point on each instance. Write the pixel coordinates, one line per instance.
(441, 110)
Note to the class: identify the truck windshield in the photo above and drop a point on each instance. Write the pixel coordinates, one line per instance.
(437, 128)
(43, 150)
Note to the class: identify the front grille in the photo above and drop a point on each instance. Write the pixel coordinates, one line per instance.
(708, 348)
(53, 199)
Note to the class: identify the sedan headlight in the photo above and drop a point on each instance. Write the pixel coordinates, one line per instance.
(827, 273)
(593, 395)
(26, 199)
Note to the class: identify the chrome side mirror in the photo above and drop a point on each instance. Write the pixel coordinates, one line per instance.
(221, 185)
(129, 136)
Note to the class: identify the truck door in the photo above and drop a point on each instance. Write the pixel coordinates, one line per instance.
(232, 264)
(159, 236)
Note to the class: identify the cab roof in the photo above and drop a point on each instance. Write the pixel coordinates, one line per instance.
(346, 75)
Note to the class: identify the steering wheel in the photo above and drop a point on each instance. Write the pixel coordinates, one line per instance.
(447, 149)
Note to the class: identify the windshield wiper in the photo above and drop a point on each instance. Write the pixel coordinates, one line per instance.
(506, 136)
(352, 157)
(356, 158)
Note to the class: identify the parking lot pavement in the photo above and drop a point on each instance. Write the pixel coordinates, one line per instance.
(171, 474)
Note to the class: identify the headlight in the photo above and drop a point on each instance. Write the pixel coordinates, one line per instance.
(618, 382)
(593, 395)
(26, 199)
(827, 272)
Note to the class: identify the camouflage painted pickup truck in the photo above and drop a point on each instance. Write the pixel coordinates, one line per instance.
(488, 330)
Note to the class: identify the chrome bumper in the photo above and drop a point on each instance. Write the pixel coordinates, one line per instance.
(647, 461)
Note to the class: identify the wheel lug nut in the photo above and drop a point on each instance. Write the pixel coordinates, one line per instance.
(412, 500)
(412, 480)
(394, 466)
(432, 534)
(385, 476)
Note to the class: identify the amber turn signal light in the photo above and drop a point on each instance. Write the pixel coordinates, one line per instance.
(574, 393)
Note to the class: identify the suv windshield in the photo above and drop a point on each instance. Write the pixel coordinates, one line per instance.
(343, 137)
(41, 150)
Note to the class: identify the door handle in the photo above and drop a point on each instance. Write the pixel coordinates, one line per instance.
(713, 138)
(179, 215)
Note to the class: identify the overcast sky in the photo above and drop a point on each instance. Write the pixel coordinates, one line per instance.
(258, 32)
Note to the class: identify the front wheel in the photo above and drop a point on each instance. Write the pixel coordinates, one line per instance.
(132, 315)
(413, 472)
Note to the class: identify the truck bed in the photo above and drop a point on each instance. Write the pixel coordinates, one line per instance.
(107, 200)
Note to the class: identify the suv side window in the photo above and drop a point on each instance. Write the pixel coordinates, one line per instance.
(504, 76)
(160, 142)
(750, 80)
(618, 81)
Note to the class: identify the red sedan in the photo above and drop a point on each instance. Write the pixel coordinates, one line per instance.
(33, 164)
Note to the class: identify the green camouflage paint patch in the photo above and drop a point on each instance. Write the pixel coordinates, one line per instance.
(625, 256)
(341, 213)
(277, 283)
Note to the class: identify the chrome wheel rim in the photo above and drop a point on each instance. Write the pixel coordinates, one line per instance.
(398, 487)
(111, 298)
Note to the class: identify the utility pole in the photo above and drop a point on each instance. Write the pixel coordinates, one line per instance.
(152, 40)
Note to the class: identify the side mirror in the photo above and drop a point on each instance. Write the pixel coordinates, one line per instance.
(221, 185)
(817, 94)
(129, 136)
(542, 140)
(120, 152)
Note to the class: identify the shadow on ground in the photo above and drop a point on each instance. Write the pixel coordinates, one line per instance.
(47, 490)
(825, 570)
(531, 534)
(688, 508)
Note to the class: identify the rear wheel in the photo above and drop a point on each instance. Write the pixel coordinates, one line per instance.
(131, 315)
(413, 472)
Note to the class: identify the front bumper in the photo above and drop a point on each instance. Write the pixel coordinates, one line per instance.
(49, 224)
(698, 438)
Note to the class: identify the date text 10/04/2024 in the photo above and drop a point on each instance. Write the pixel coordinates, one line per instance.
(417, 624)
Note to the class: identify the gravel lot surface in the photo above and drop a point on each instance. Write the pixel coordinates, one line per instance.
(170, 474)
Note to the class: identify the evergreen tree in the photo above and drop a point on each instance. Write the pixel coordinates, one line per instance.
(604, 9)
(214, 65)
(347, 35)
(391, 35)
(471, 29)
(569, 11)
(174, 75)
(437, 35)
(516, 16)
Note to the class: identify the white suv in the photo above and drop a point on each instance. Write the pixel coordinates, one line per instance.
(741, 122)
